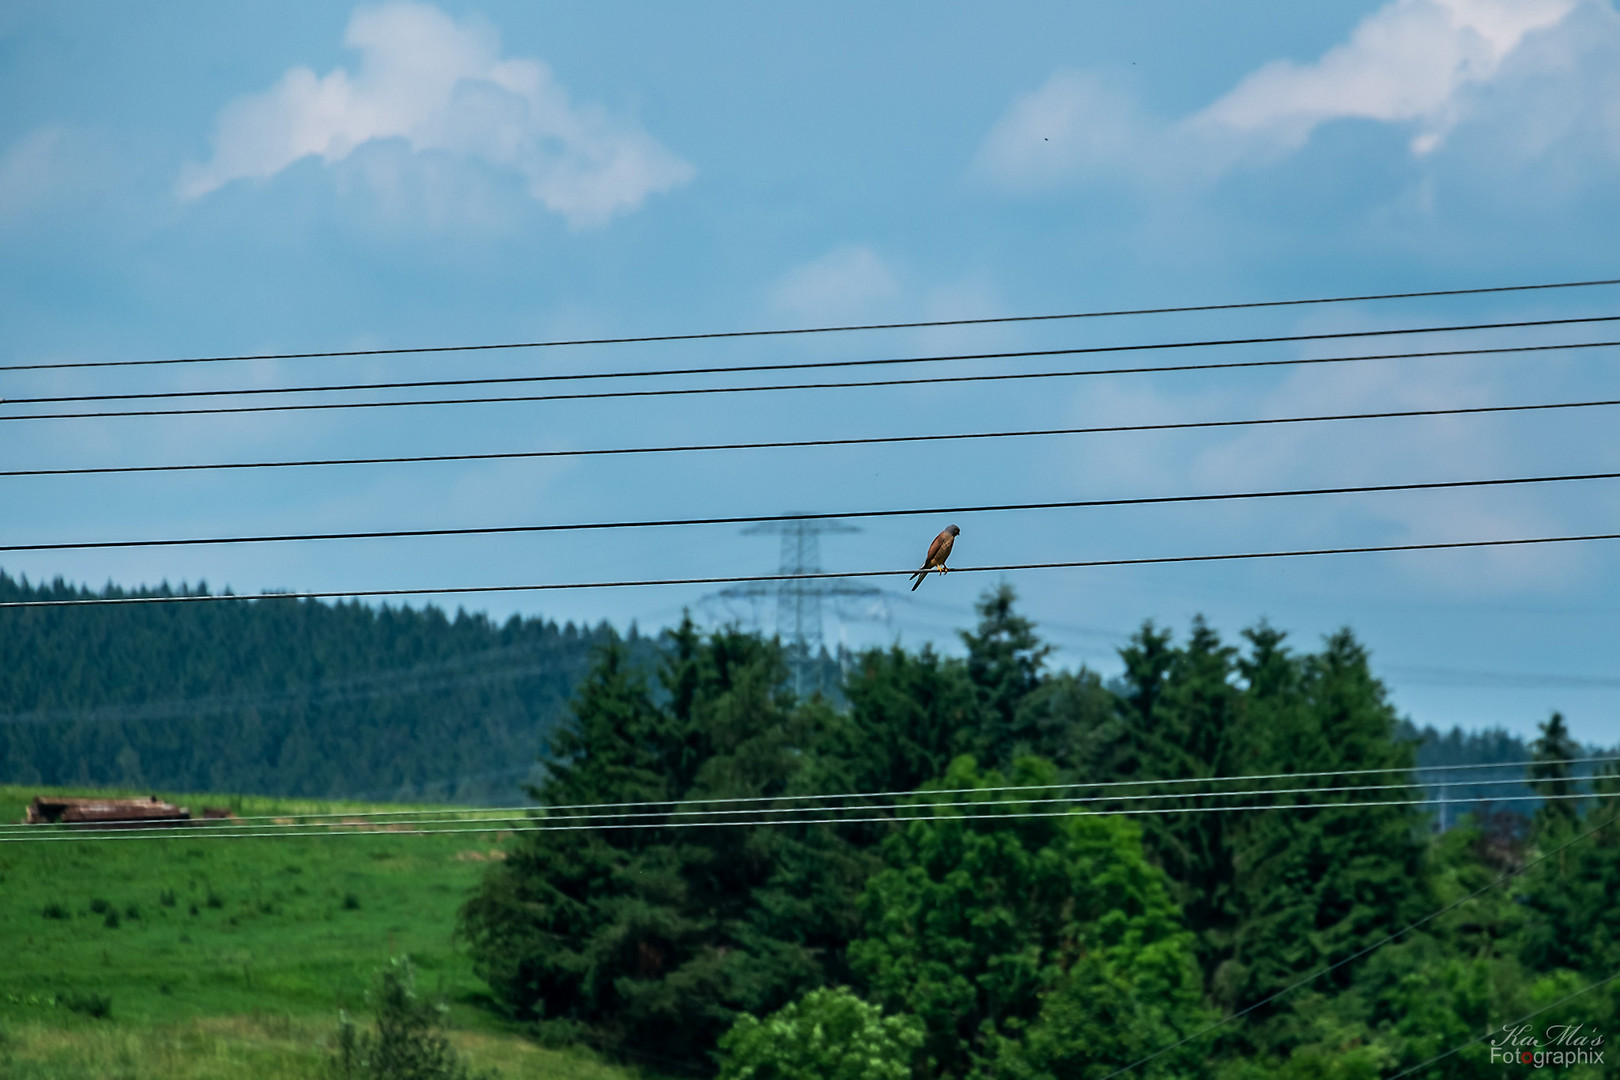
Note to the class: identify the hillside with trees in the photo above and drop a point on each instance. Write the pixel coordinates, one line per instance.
(280, 697)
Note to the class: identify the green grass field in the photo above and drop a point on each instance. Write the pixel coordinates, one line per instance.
(231, 957)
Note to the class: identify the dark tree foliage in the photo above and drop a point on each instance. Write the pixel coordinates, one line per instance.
(1027, 946)
(1272, 896)
(1552, 777)
(279, 697)
(656, 939)
(1575, 919)
(1004, 664)
(1179, 720)
(1317, 886)
(911, 713)
(1036, 947)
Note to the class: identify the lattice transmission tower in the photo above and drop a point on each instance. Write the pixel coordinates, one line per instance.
(798, 601)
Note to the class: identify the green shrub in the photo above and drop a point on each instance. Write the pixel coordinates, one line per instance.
(56, 910)
(829, 1034)
(95, 1006)
(351, 902)
(111, 919)
(408, 1042)
(166, 898)
(98, 905)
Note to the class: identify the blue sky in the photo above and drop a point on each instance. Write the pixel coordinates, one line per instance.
(204, 178)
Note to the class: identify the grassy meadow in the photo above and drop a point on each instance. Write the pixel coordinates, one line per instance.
(184, 957)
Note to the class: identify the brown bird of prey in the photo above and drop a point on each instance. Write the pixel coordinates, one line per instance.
(938, 552)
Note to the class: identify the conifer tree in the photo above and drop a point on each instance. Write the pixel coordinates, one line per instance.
(1551, 777)
(910, 714)
(1004, 663)
(656, 938)
(1318, 885)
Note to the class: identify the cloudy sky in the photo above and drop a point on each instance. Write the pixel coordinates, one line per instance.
(200, 179)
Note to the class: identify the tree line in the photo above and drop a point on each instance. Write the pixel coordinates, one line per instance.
(978, 931)
(296, 697)
(280, 697)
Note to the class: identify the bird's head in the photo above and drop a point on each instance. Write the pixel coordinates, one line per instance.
(953, 530)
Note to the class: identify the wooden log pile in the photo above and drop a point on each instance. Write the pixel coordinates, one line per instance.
(104, 812)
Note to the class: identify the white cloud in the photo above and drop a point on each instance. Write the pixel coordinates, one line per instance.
(442, 86)
(1408, 62)
(1555, 99)
(1427, 66)
(843, 283)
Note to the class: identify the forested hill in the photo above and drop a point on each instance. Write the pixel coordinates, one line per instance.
(280, 697)
(293, 697)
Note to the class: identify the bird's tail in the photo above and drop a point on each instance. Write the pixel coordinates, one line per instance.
(919, 575)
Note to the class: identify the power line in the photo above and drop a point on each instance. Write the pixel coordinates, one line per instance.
(403, 829)
(1506, 1027)
(993, 789)
(803, 443)
(1507, 876)
(496, 380)
(504, 530)
(598, 395)
(461, 590)
(560, 343)
(690, 808)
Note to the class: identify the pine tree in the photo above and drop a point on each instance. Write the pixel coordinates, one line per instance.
(911, 713)
(1550, 777)
(1315, 886)
(656, 938)
(1004, 663)
(1179, 715)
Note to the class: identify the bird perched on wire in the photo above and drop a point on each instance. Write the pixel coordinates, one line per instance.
(938, 552)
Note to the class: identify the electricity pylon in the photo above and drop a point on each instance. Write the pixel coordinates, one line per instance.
(798, 599)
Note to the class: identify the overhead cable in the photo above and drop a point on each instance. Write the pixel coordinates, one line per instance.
(599, 395)
(498, 380)
(870, 440)
(538, 825)
(693, 809)
(462, 590)
(1247, 778)
(592, 526)
(709, 336)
